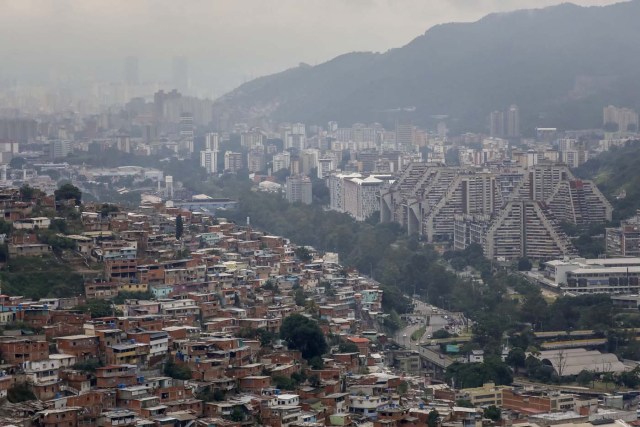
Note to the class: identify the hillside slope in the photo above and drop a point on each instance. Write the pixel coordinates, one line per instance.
(614, 172)
(560, 64)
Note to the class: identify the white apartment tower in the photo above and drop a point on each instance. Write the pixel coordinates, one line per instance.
(513, 122)
(209, 161)
(298, 189)
(232, 161)
(168, 186)
(212, 141)
(281, 161)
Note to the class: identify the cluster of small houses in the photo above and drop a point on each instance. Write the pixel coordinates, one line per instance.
(203, 292)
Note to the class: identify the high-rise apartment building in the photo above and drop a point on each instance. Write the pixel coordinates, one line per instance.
(187, 132)
(256, 161)
(59, 149)
(232, 161)
(505, 124)
(281, 161)
(212, 141)
(209, 156)
(18, 129)
(496, 125)
(620, 119)
(252, 140)
(160, 100)
(404, 133)
(525, 229)
(325, 167)
(512, 213)
(298, 189)
(168, 186)
(624, 241)
(335, 183)
(131, 71)
(180, 74)
(513, 122)
(209, 161)
(308, 160)
(358, 196)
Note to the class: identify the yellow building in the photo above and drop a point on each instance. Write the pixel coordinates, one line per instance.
(488, 394)
(133, 287)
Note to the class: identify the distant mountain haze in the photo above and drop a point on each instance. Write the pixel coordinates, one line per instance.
(560, 65)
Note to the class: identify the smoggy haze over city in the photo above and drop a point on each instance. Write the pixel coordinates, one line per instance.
(226, 42)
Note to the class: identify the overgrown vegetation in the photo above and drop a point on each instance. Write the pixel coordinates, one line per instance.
(98, 308)
(305, 335)
(177, 371)
(615, 171)
(20, 392)
(40, 277)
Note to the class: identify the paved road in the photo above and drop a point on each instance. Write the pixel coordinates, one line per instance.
(422, 312)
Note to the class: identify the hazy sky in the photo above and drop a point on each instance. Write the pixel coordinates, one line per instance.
(226, 41)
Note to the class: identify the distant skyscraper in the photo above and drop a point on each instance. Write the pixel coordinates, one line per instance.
(209, 161)
(497, 124)
(131, 71)
(180, 73)
(168, 186)
(232, 161)
(212, 141)
(513, 122)
(59, 149)
(298, 189)
(404, 133)
(622, 119)
(187, 131)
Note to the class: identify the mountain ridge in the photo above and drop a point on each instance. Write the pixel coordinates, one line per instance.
(560, 64)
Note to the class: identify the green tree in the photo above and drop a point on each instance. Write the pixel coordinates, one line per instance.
(27, 193)
(179, 227)
(88, 365)
(465, 403)
(585, 378)
(441, 334)
(236, 415)
(284, 383)
(17, 162)
(493, 413)
(516, 358)
(68, 192)
(316, 363)
(98, 308)
(107, 208)
(524, 264)
(347, 347)
(303, 334)
(299, 297)
(5, 227)
(433, 418)
(59, 225)
(629, 379)
(174, 370)
(468, 375)
(20, 392)
(303, 254)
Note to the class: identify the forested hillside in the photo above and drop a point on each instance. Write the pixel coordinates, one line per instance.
(617, 172)
(560, 64)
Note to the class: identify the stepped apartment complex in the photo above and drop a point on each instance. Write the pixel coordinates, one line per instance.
(511, 212)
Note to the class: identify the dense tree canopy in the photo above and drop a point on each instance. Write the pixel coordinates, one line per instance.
(305, 335)
(68, 192)
(466, 375)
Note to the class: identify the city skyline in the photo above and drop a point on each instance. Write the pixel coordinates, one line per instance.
(235, 49)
